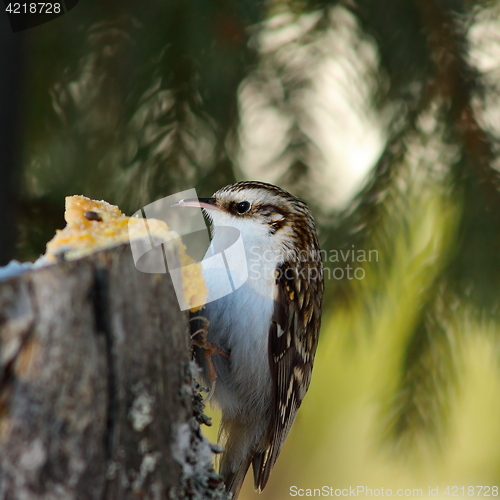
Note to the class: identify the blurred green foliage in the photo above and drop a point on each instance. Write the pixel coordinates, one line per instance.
(384, 117)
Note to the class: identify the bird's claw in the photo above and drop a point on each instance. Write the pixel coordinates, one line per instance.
(209, 351)
(204, 328)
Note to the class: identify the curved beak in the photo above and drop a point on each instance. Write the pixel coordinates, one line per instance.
(207, 203)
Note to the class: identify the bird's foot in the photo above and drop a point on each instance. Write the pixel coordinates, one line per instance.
(209, 351)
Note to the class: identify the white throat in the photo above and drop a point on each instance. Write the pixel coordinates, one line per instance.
(259, 259)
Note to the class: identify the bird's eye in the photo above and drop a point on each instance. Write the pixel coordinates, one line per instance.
(243, 207)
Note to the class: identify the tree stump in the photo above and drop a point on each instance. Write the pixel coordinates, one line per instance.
(96, 398)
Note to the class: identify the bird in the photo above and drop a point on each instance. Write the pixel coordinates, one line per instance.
(265, 333)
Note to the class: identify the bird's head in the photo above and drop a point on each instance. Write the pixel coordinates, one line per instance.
(265, 215)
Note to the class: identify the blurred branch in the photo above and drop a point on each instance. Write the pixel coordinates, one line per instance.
(457, 83)
(459, 166)
(474, 269)
(476, 266)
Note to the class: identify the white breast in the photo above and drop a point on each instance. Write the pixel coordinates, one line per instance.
(239, 324)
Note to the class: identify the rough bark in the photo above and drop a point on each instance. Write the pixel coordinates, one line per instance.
(96, 396)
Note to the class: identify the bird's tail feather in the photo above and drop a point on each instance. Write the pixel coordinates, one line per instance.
(237, 457)
(234, 479)
(262, 467)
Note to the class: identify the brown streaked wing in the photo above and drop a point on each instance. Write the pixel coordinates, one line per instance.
(293, 338)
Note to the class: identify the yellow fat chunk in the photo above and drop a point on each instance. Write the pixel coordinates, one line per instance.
(94, 225)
